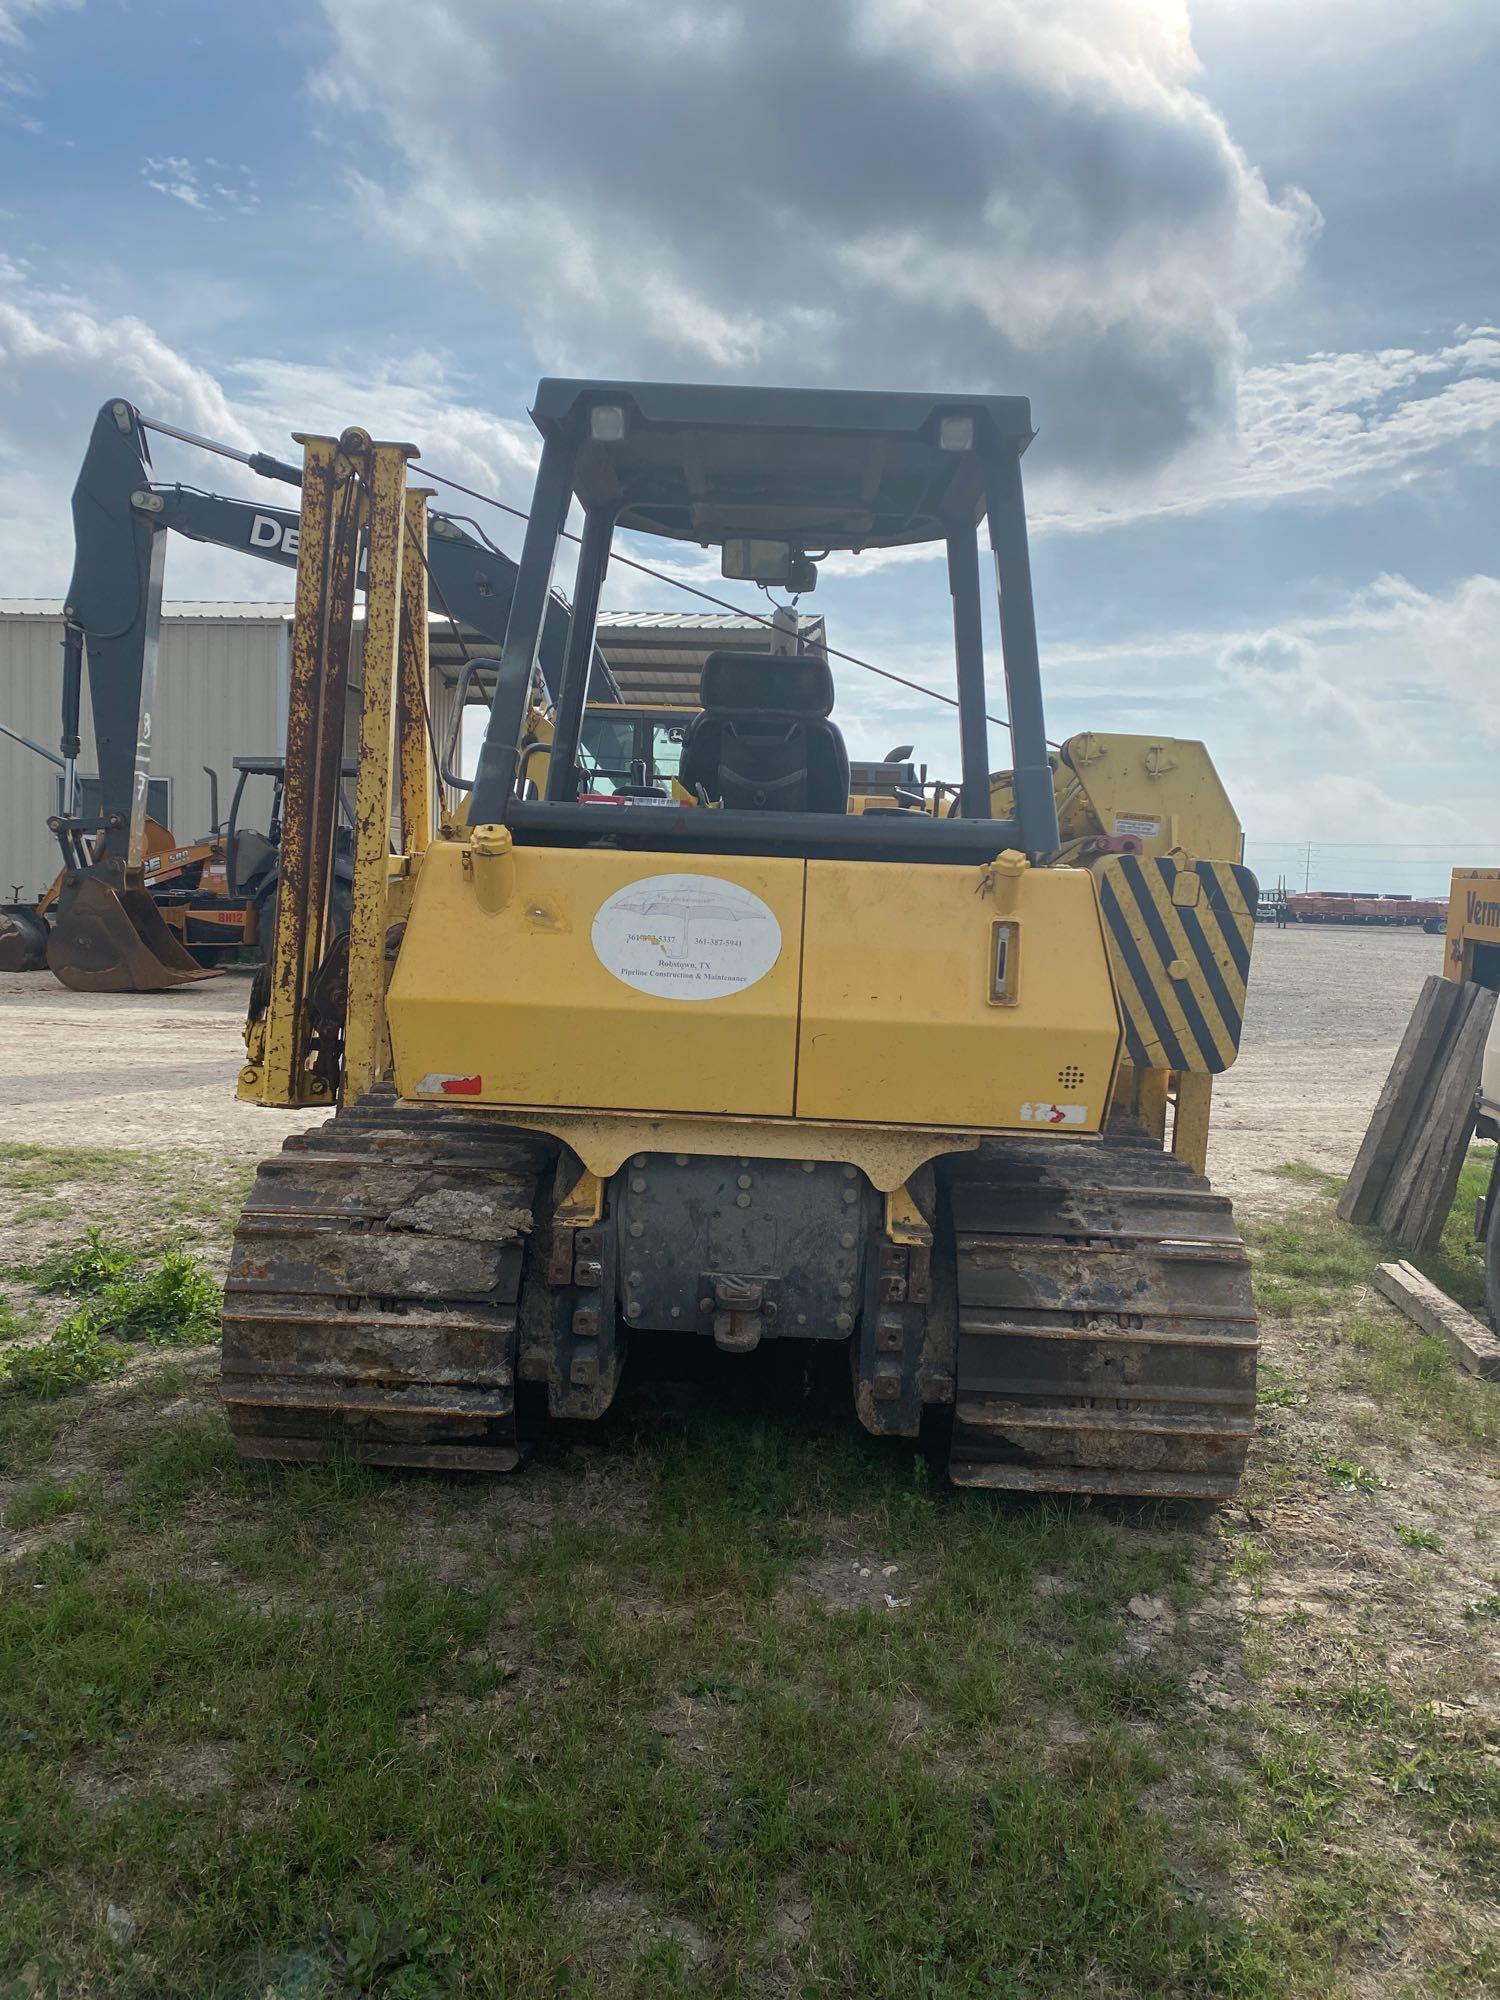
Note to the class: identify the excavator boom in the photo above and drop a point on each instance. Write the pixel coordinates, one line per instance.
(106, 933)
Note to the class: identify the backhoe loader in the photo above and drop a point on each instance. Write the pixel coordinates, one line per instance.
(746, 1065)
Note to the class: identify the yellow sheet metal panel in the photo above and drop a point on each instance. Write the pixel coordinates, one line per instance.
(1161, 790)
(1473, 919)
(900, 1019)
(1179, 941)
(600, 980)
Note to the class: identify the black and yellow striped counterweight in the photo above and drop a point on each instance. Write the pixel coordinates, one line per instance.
(1179, 937)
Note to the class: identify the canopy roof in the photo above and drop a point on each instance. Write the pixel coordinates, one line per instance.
(821, 468)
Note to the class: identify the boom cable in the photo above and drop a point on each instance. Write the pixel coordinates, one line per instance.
(692, 590)
(262, 463)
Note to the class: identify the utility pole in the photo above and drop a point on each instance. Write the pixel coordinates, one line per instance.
(1307, 872)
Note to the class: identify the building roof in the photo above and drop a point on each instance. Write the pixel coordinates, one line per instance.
(656, 656)
(211, 611)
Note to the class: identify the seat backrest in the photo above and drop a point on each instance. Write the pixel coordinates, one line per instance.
(762, 741)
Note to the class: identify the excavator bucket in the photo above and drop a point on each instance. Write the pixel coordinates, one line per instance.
(23, 941)
(107, 940)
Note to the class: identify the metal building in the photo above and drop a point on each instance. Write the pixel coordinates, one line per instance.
(221, 692)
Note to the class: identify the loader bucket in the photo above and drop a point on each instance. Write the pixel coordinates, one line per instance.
(108, 940)
(23, 941)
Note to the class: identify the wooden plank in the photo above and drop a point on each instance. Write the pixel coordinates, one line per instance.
(1399, 1102)
(1473, 1346)
(1419, 1196)
(1395, 1200)
(1452, 1144)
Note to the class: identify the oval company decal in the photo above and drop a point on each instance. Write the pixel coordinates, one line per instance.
(686, 937)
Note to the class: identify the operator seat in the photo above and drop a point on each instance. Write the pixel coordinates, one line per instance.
(762, 741)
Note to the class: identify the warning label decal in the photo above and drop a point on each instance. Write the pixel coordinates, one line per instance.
(686, 937)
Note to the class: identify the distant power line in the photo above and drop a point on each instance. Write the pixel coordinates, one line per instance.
(1367, 846)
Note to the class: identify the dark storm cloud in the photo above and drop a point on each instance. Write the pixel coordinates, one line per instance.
(1012, 195)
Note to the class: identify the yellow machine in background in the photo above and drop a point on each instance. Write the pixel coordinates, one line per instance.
(1471, 951)
(1159, 794)
(747, 1064)
(1471, 947)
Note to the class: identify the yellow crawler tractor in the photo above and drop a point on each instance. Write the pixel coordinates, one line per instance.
(738, 1062)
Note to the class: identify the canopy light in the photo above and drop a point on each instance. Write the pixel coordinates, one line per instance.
(607, 423)
(956, 433)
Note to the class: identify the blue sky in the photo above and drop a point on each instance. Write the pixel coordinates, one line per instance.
(1244, 257)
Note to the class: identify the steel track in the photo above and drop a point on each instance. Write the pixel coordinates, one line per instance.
(372, 1291)
(1106, 1325)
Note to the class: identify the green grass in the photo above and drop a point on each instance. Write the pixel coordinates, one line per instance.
(15, 1321)
(1417, 1538)
(1313, 1269)
(1441, 1768)
(430, 1779)
(1350, 1476)
(1276, 1390)
(86, 1267)
(1457, 1265)
(28, 1434)
(119, 1301)
(176, 1305)
(39, 1169)
(610, 1729)
(1306, 1175)
(71, 1358)
(1310, 1262)
(43, 1501)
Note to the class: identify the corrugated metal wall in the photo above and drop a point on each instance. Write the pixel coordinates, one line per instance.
(220, 693)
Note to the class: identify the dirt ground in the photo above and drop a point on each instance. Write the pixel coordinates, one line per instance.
(1326, 1011)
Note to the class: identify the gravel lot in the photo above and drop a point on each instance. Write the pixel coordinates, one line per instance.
(1327, 1008)
(130, 1069)
(1326, 1012)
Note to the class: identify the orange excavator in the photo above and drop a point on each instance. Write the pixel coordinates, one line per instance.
(209, 892)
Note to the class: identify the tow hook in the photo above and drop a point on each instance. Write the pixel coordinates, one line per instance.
(740, 1312)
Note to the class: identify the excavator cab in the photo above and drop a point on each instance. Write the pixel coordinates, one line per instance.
(760, 1067)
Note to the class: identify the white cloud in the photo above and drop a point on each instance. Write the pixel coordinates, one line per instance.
(993, 193)
(208, 185)
(16, 14)
(1332, 430)
(18, 89)
(1369, 730)
(60, 357)
(1327, 430)
(1373, 726)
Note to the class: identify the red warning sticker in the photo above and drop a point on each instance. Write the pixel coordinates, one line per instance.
(437, 1084)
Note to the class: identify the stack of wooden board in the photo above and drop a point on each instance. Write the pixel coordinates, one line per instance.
(1406, 1171)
